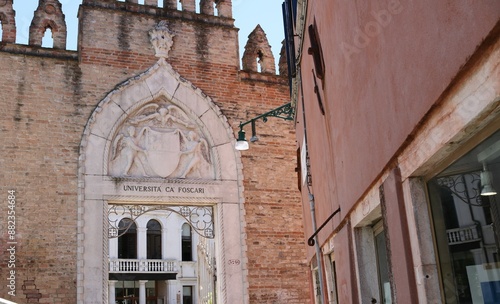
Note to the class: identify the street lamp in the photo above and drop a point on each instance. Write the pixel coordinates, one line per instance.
(285, 112)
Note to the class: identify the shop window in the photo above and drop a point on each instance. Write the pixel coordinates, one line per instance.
(153, 240)
(466, 218)
(187, 243)
(127, 243)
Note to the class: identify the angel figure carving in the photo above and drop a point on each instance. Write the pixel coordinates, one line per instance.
(127, 152)
(164, 117)
(196, 151)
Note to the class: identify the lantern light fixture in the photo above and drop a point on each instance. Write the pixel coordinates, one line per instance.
(285, 112)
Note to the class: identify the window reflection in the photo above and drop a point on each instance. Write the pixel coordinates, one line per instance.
(467, 223)
(382, 264)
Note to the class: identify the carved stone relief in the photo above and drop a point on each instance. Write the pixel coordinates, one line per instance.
(160, 141)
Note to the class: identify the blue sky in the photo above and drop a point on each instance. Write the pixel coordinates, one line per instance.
(247, 14)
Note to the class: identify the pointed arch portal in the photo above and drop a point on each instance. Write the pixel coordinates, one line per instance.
(156, 143)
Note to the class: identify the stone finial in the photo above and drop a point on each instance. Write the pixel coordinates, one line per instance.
(258, 50)
(48, 15)
(162, 39)
(8, 21)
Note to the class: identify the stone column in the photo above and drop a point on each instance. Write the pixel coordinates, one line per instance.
(113, 248)
(142, 291)
(141, 243)
(164, 243)
(111, 293)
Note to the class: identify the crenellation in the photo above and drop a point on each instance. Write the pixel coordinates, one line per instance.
(224, 8)
(7, 21)
(207, 7)
(282, 63)
(258, 53)
(151, 2)
(188, 5)
(48, 15)
(170, 4)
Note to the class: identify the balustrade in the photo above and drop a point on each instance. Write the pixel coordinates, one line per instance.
(139, 265)
(462, 235)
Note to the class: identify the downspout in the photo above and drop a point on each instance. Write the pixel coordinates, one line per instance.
(311, 200)
(316, 246)
(301, 33)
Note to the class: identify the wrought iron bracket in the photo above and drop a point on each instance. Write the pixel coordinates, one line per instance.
(311, 240)
(457, 184)
(286, 112)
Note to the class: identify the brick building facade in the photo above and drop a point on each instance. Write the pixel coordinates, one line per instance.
(63, 111)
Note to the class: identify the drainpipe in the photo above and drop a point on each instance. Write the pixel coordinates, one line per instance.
(311, 200)
(301, 31)
(316, 246)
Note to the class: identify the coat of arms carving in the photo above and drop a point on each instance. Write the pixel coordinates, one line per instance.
(160, 141)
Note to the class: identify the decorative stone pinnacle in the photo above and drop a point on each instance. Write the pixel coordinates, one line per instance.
(162, 39)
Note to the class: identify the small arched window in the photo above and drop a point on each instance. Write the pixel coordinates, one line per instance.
(1, 30)
(47, 40)
(127, 243)
(153, 240)
(187, 243)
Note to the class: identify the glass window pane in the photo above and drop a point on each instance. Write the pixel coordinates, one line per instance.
(383, 268)
(465, 211)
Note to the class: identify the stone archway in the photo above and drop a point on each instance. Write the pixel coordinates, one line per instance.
(156, 140)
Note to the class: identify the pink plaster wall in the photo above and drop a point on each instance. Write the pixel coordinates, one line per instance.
(387, 62)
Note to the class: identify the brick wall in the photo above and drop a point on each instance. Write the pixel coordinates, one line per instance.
(46, 99)
(41, 124)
